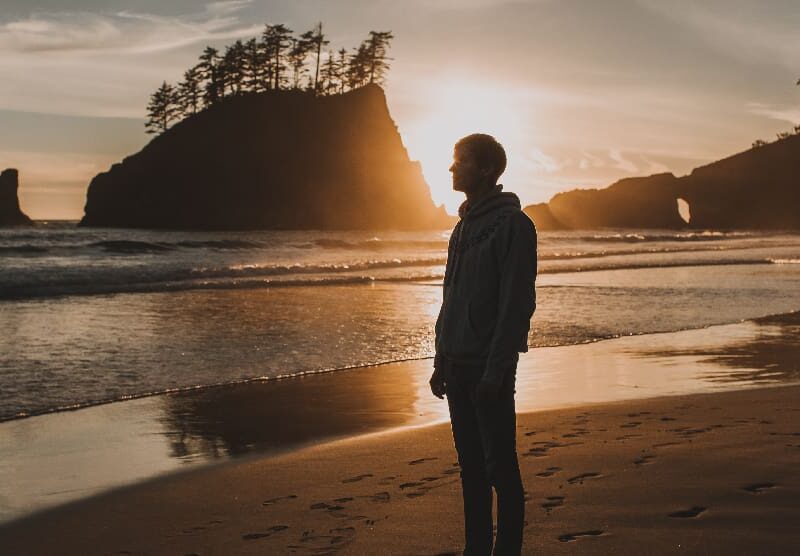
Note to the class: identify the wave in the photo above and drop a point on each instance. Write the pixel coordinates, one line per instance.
(134, 247)
(265, 276)
(639, 237)
(25, 249)
(380, 244)
(122, 280)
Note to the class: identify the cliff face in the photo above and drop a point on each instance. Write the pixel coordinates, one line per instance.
(10, 213)
(755, 189)
(278, 160)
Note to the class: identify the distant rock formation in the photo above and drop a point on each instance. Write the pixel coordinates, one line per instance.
(755, 189)
(10, 213)
(272, 160)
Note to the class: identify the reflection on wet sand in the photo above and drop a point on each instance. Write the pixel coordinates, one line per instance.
(770, 356)
(265, 416)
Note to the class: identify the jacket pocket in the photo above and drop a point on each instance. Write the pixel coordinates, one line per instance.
(481, 320)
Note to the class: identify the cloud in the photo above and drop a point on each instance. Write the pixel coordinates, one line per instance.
(537, 159)
(621, 162)
(782, 114)
(95, 64)
(124, 32)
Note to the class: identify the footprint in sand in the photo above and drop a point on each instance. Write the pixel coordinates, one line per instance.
(644, 460)
(630, 425)
(549, 472)
(272, 501)
(381, 497)
(268, 533)
(325, 506)
(664, 444)
(569, 537)
(417, 493)
(758, 488)
(694, 511)
(551, 502)
(421, 460)
(404, 486)
(325, 544)
(582, 477)
(357, 478)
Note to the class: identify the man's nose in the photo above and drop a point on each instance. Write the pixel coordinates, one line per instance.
(452, 167)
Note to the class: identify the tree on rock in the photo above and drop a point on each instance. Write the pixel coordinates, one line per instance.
(317, 40)
(297, 58)
(358, 67)
(163, 108)
(209, 72)
(189, 91)
(377, 46)
(277, 38)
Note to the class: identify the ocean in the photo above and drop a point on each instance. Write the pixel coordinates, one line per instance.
(89, 316)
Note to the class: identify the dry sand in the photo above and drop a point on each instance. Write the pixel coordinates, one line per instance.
(699, 474)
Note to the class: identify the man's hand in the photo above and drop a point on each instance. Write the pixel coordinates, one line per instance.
(437, 383)
(487, 392)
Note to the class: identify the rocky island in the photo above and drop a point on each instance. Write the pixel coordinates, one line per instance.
(279, 159)
(757, 189)
(10, 213)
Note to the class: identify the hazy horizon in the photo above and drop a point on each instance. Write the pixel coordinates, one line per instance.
(581, 94)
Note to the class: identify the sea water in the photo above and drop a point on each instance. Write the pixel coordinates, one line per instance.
(96, 315)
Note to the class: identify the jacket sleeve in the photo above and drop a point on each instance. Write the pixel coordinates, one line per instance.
(516, 300)
(452, 244)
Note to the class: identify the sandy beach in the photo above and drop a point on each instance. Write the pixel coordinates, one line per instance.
(678, 443)
(698, 474)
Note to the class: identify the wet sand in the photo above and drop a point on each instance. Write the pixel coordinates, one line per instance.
(625, 472)
(698, 474)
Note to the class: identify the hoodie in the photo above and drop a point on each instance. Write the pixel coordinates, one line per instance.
(489, 295)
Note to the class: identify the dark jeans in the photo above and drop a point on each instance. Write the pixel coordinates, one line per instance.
(485, 439)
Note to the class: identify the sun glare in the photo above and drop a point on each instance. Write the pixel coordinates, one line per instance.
(456, 108)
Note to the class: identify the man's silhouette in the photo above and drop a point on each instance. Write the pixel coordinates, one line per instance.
(483, 324)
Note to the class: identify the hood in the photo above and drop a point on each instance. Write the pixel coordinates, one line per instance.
(495, 200)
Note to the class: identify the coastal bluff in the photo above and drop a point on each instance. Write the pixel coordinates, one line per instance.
(758, 189)
(10, 213)
(271, 160)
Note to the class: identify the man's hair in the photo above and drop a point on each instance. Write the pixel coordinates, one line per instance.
(488, 153)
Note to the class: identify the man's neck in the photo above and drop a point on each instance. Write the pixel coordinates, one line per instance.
(475, 197)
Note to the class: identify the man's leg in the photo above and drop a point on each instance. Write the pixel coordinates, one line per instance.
(477, 491)
(498, 423)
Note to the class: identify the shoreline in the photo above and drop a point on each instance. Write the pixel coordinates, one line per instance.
(704, 473)
(308, 374)
(55, 458)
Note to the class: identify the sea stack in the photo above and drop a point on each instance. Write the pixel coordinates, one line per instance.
(271, 160)
(758, 189)
(10, 213)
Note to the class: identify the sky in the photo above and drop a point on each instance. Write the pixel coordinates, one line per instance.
(580, 92)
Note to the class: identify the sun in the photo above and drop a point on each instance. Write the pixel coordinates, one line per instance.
(455, 108)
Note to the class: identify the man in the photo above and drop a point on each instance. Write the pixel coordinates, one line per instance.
(483, 324)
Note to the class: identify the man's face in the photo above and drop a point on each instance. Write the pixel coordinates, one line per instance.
(467, 175)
